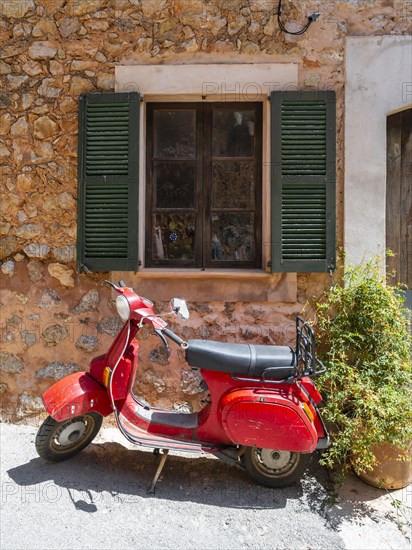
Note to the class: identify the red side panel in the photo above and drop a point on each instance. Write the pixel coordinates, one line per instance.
(271, 420)
(74, 395)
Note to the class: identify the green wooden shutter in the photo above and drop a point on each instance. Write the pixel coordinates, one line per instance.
(108, 182)
(303, 151)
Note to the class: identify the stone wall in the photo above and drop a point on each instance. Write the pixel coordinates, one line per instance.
(54, 320)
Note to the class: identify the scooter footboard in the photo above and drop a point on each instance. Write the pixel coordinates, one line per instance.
(75, 395)
(271, 420)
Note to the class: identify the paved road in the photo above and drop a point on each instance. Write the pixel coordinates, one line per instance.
(98, 500)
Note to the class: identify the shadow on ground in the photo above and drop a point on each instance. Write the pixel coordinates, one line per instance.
(354, 501)
(126, 475)
(111, 470)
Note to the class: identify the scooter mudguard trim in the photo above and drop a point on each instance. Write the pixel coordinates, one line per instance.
(149, 439)
(75, 395)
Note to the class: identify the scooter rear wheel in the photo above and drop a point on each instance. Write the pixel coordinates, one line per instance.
(57, 441)
(274, 468)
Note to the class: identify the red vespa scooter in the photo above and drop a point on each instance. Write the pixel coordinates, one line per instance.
(262, 412)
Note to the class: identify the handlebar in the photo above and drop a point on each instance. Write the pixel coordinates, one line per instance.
(122, 284)
(143, 308)
(170, 334)
(162, 332)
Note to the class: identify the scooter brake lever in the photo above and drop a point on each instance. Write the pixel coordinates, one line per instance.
(158, 331)
(111, 284)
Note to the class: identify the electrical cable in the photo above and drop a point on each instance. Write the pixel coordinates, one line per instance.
(311, 19)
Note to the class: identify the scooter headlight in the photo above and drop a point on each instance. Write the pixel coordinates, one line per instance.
(123, 308)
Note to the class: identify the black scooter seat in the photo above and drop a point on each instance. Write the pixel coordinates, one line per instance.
(269, 362)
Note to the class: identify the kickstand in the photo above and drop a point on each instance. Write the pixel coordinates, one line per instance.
(152, 488)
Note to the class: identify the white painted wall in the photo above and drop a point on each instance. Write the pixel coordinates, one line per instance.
(378, 83)
(222, 81)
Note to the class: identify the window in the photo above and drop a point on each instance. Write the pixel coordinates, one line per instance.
(203, 185)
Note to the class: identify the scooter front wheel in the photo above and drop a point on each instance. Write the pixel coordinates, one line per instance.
(274, 468)
(57, 441)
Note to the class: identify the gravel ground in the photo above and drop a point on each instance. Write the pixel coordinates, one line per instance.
(99, 500)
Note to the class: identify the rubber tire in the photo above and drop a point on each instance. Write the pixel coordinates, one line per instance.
(270, 480)
(45, 437)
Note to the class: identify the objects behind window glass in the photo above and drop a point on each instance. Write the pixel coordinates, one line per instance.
(232, 237)
(174, 184)
(233, 184)
(174, 133)
(173, 236)
(233, 133)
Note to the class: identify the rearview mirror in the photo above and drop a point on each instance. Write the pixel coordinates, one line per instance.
(179, 308)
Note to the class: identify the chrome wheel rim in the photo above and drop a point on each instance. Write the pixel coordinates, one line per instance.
(274, 463)
(72, 434)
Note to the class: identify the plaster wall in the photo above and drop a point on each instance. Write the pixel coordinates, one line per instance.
(378, 83)
(208, 79)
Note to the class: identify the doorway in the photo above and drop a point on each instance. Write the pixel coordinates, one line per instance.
(399, 199)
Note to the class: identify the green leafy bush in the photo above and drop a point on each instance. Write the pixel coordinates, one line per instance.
(364, 339)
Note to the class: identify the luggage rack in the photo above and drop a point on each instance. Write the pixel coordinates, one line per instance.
(307, 362)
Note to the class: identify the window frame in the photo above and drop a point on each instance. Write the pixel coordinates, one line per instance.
(204, 160)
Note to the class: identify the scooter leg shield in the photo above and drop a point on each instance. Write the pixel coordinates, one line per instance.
(75, 395)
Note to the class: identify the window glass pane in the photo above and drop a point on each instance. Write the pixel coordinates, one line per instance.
(173, 236)
(233, 133)
(174, 134)
(174, 185)
(233, 184)
(203, 204)
(232, 237)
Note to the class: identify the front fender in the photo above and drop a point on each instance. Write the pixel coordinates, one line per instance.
(74, 395)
